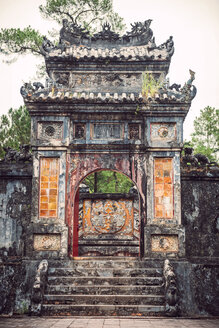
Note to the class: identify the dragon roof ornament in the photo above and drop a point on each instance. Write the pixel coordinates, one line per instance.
(73, 35)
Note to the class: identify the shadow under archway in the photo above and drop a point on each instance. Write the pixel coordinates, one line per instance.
(107, 215)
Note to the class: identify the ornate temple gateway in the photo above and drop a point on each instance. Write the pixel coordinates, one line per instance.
(98, 111)
(107, 105)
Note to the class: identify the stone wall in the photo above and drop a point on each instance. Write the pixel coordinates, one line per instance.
(198, 276)
(15, 207)
(200, 217)
(197, 272)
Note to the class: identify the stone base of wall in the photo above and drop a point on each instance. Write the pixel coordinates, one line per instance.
(197, 281)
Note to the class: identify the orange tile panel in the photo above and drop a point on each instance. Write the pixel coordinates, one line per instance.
(43, 192)
(167, 180)
(167, 173)
(52, 199)
(43, 213)
(53, 192)
(44, 185)
(44, 206)
(168, 187)
(44, 178)
(158, 173)
(52, 206)
(53, 185)
(163, 188)
(53, 178)
(44, 199)
(49, 173)
(159, 180)
(52, 213)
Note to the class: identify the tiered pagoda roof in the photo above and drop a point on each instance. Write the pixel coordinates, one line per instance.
(75, 65)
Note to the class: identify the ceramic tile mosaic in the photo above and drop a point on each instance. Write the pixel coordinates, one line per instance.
(49, 176)
(163, 188)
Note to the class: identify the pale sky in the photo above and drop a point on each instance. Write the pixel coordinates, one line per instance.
(194, 25)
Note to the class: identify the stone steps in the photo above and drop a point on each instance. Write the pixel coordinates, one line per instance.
(106, 272)
(106, 262)
(103, 310)
(105, 290)
(110, 286)
(105, 281)
(105, 299)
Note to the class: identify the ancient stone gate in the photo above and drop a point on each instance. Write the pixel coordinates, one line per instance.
(107, 105)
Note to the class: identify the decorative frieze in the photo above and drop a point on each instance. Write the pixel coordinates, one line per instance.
(50, 130)
(47, 242)
(107, 81)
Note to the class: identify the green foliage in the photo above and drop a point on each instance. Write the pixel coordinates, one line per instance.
(205, 138)
(108, 182)
(150, 86)
(90, 14)
(14, 129)
(15, 40)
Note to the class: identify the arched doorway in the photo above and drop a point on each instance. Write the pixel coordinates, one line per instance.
(106, 220)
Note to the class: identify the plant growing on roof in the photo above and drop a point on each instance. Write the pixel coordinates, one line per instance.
(150, 85)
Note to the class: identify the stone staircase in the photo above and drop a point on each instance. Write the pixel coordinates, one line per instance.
(104, 287)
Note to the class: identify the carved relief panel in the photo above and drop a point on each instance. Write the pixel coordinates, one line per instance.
(164, 243)
(47, 242)
(134, 131)
(118, 218)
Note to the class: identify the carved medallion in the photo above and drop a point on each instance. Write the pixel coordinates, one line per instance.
(108, 217)
(50, 130)
(163, 132)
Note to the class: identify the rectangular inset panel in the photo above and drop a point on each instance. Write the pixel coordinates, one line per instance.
(164, 243)
(80, 131)
(163, 188)
(107, 131)
(134, 131)
(47, 242)
(49, 178)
